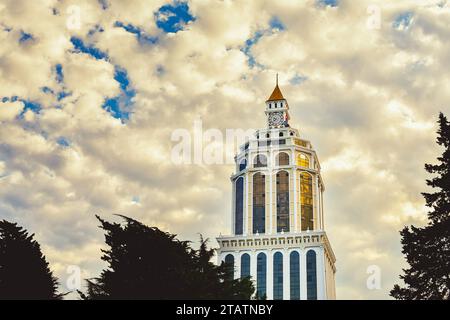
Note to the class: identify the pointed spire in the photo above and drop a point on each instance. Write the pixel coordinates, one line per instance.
(276, 94)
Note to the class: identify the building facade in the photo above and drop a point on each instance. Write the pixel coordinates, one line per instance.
(278, 236)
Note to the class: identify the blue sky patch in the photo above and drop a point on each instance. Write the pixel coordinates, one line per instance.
(120, 106)
(80, 46)
(403, 21)
(59, 76)
(249, 43)
(172, 18)
(47, 90)
(136, 199)
(276, 23)
(59, 73)
(31, 105)
(298, 79)
(95, 29)
(63, 142)
(141, 35)
(24, 37)
(328, 3)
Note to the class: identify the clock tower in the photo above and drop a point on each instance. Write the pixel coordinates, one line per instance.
(278, 236)
(277, 109)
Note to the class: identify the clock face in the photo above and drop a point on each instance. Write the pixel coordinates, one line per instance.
(276, 119)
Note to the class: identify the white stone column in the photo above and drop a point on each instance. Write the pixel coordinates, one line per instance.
(323, 220)
(270, 211)
(237, 265)
(316, 203)
(286, 276)
(319, 205)
(303, 294)
(253, 267)
(294, 172)
(245, 206)
(269, 274)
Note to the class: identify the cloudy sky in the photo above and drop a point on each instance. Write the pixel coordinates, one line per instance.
(91, 91)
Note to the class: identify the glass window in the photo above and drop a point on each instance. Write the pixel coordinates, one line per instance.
(311, 275)
(261, 276)
(278, 276)
(303, 160)
(229, 262)
(260, 161)
(239, 206)
(294, 269)
(245, 265)
(242, 164)
(306, 201)
(282, 201)
(282, 159)
(259, 203)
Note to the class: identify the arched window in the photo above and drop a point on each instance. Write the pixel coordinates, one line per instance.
(243, 164)
(245, 265)
(278, 276)
(239, 207)
(267, 135)
(259, 203)
(282, 159)
(294, 270)
(282, 201)
(306, 201)
(311, 275)
(303, 160)
(260, 161)
(261, 276)
(281, 134)
(229, 262)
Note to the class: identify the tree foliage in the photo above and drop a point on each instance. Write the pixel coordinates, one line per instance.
(427, 249)
(24, 271)
(147, 263)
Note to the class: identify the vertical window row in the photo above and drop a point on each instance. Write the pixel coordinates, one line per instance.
(306, 201)
(278, 276)
(294, 275)
(261, 276)
(282, 201)
(229, 262)
(245, 265)
(311, 275)
(239, 207)
(259, 203)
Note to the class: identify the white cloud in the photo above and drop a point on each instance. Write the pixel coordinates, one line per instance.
(369, 106)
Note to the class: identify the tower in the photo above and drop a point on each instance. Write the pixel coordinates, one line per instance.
(278, 236)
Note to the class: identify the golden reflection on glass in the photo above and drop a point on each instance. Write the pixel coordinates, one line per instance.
(306, 201)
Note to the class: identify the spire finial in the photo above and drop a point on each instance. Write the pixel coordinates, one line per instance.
(277, 79)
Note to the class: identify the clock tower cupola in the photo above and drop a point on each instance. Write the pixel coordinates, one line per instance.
(277, 109)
